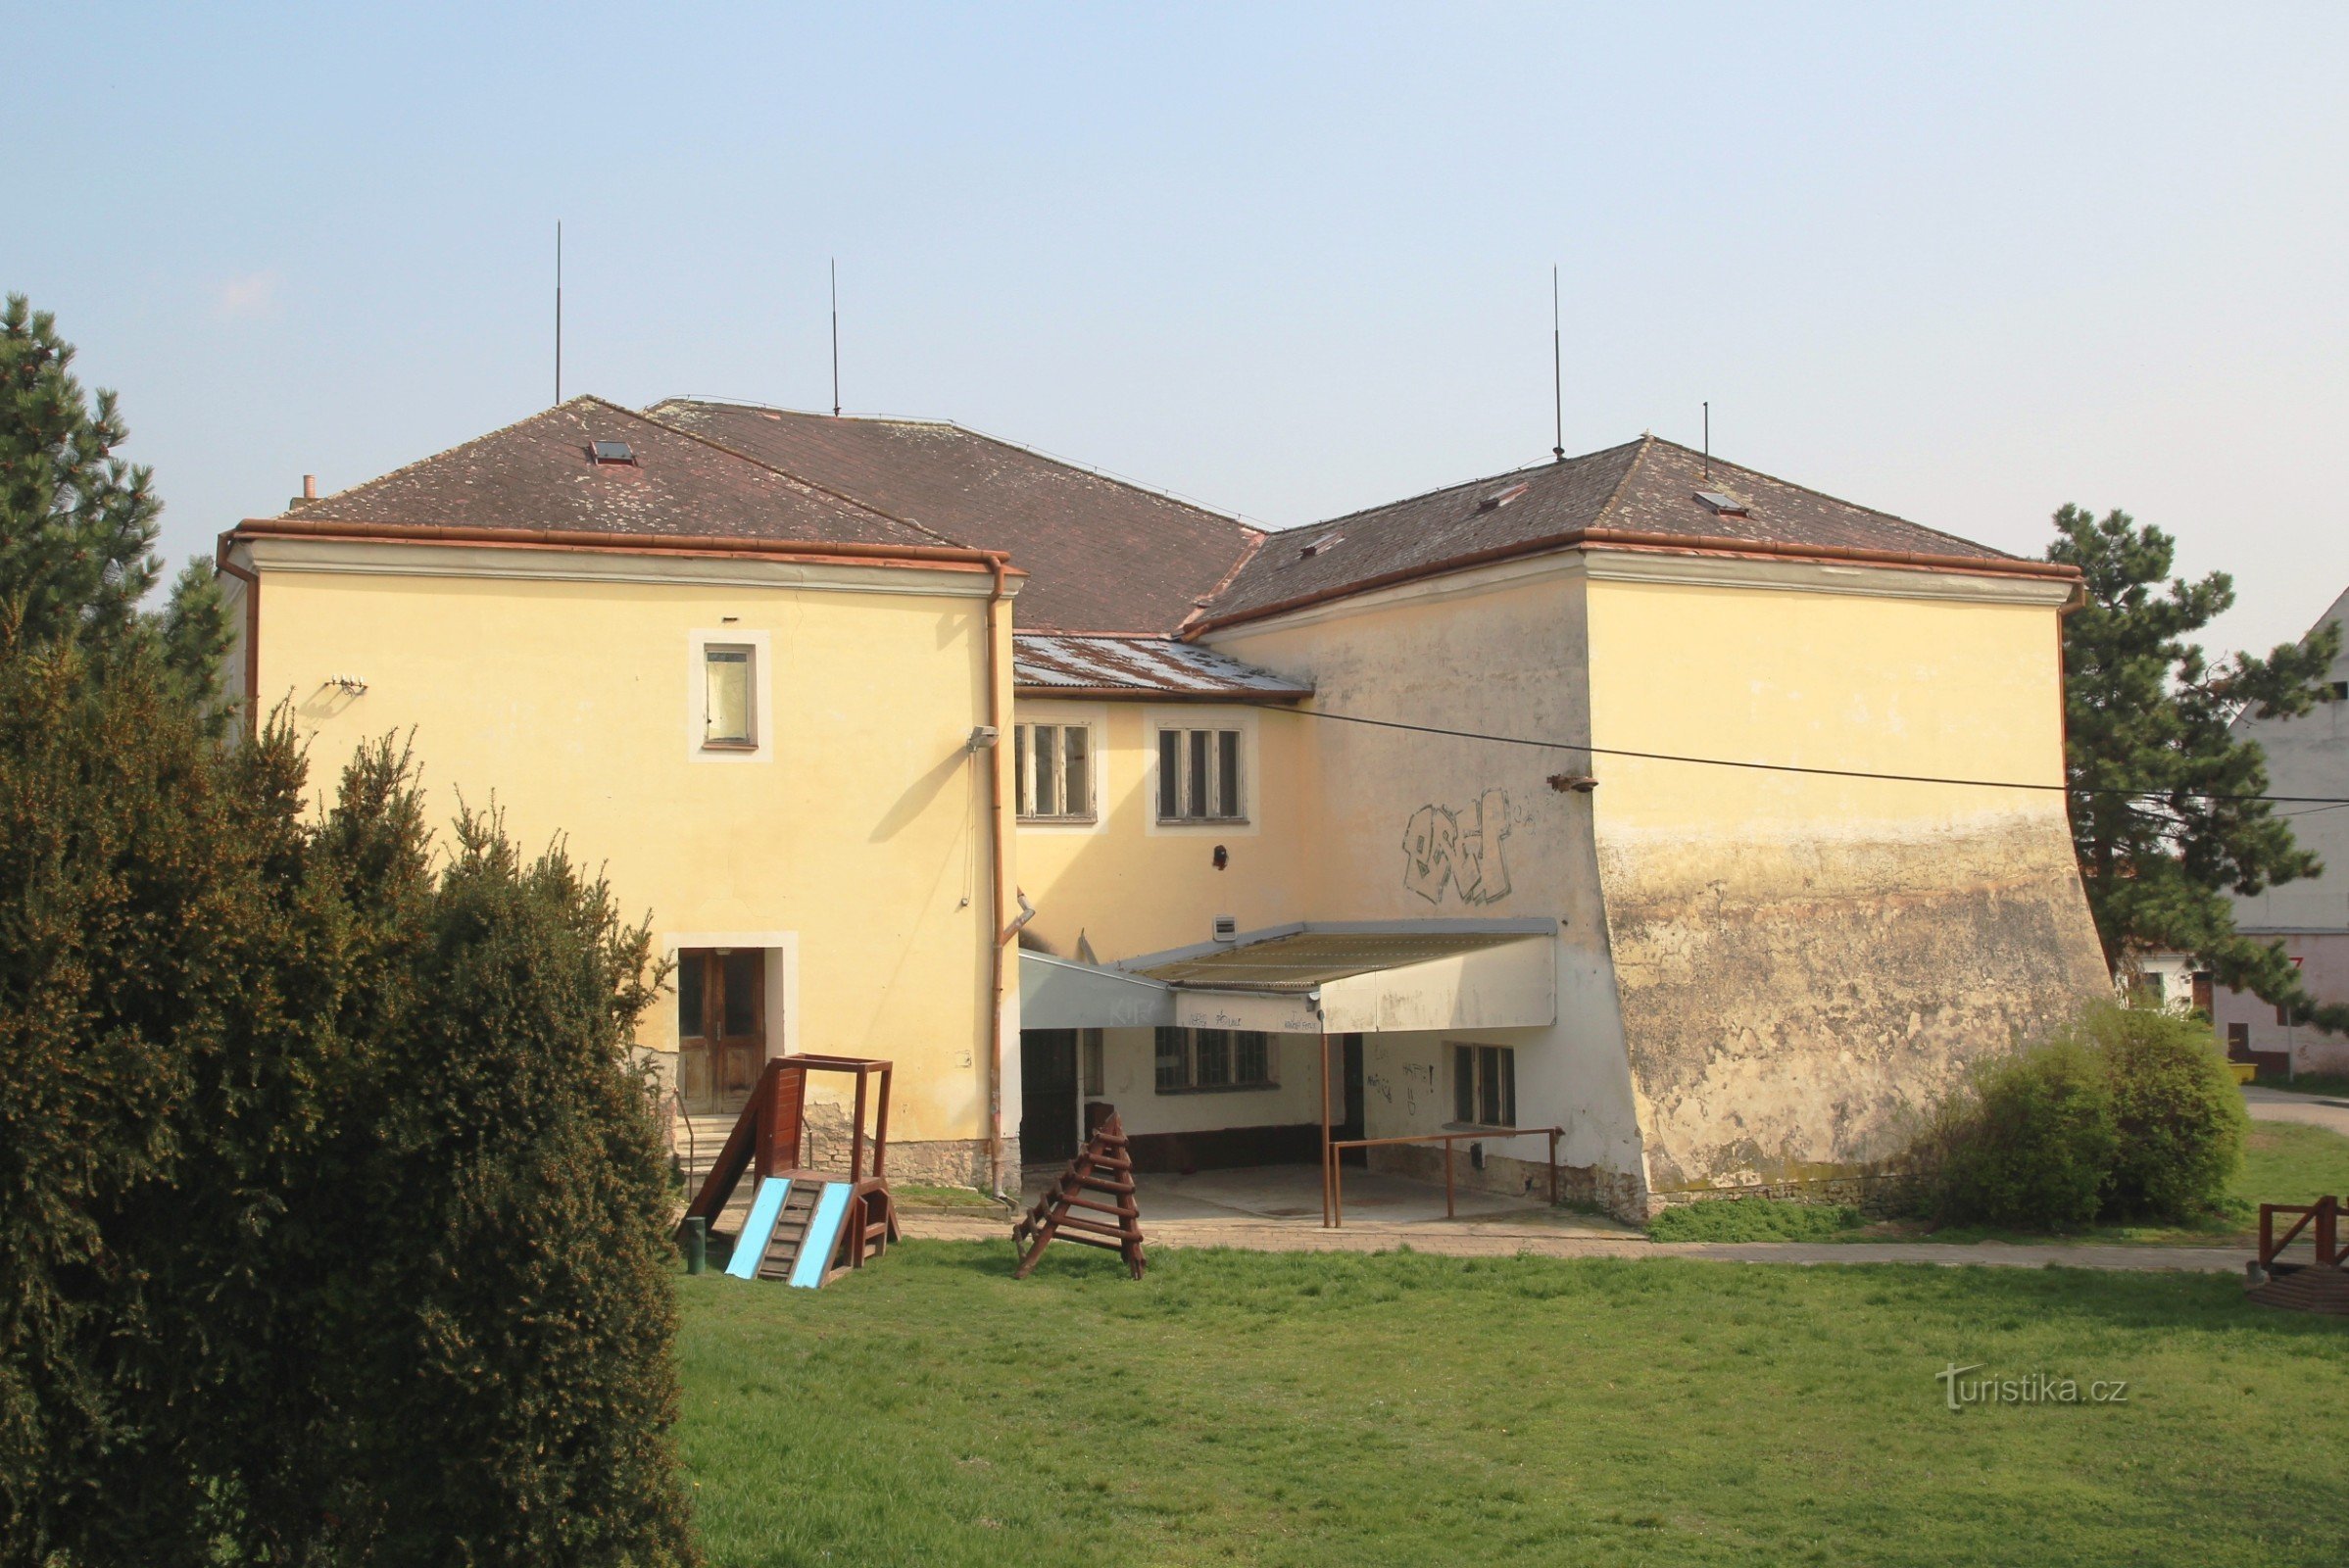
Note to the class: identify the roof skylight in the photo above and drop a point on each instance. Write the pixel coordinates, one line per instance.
(1321, 546)
(1722, 505)
(614, 451)
(1501, 498)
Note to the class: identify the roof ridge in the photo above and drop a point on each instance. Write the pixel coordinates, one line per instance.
(1809, 490)
(1462, 485)
(1647, 441)
(435, 457)
(1106, 475)
(797, 480)
(1119, 479)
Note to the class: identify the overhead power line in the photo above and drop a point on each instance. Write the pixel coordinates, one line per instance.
(2325, 800)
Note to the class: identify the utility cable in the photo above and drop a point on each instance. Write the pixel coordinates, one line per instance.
(2322, 801)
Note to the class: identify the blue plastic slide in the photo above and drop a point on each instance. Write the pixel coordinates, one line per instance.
(759, 1229)
(824, 1235)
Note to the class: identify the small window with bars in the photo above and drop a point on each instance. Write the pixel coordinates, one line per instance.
(1052, 767)
(1484, 1086)
(1203, 1060)
(1198, 776)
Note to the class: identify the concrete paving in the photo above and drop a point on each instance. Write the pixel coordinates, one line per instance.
(2281, 1104)
(1278, 1209)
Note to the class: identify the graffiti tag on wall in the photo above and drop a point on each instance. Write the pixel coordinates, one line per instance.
(1461, 848)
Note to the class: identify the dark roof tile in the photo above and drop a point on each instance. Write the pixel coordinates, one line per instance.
(540, 474)
(1103, 556)
(1648, 486)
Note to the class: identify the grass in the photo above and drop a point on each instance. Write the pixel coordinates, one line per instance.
(2307, 1083)
(962, 1200)
(1288, 1410)
(1753, 1219)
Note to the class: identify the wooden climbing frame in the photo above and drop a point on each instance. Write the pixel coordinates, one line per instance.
(1102, 1167)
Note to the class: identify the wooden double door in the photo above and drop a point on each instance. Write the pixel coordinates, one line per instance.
(722, 1025)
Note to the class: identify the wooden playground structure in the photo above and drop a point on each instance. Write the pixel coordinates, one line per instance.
(806, 1227)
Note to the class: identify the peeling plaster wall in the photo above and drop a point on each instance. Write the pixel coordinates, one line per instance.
(1802, 959)
(1788, 1005)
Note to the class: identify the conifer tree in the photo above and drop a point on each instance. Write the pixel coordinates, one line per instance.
(2164, 811)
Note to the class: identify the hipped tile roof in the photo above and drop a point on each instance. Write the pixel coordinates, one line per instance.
(1103, 556)
(1646, 487)
(540, 475)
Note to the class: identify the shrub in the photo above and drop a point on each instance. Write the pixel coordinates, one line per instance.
(2030, 1143)
(2123, 1113)
(332, 1224)
(2179, 1116)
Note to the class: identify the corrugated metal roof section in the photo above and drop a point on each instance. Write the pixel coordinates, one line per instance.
(1311, 958)
(1045, 663)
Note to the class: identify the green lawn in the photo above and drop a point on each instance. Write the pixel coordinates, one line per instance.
(1410, 1410)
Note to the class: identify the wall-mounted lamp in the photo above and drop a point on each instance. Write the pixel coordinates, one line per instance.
(1579, 783)
(983, 737)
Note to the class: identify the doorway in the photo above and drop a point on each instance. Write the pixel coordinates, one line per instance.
(1048, 1096)
(722, 1026)
(1351, 1075)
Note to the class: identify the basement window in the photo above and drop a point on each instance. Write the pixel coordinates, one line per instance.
(1052, 768)
(1484, 1086)
(1210, 1060)
(1199, 775)
(613, 452)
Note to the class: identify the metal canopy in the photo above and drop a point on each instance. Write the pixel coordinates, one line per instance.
(1303, 980)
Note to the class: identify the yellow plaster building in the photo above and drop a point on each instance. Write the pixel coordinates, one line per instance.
(1709, 821)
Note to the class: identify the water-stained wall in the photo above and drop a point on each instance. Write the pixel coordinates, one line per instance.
(1805, 958)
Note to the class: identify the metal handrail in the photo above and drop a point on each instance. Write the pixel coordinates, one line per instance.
(693, 1152)
(1333, 1176)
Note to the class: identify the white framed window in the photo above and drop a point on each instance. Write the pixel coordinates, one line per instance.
(1484, 1086)
(729, 696)
(729, 680)
(1051, 766)
(1200, 777)
(1204, 1060)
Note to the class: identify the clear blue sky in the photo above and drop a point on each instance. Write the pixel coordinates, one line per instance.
(1291, 260)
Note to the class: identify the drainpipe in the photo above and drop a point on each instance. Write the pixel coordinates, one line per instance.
(252, 581)
(999, 858)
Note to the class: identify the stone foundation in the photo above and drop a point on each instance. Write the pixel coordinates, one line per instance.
(1875, 1195)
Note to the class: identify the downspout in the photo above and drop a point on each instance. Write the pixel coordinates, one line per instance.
(998, 858)
(252, 581)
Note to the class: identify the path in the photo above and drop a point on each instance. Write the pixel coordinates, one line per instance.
(2316, 1110)
(1469, 1239)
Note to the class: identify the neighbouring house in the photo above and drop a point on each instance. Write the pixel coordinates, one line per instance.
(2308, 755)
(1637, 794)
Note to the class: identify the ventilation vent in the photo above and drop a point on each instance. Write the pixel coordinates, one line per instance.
(1501, 498)
(1227, 928)
(1720, 505)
